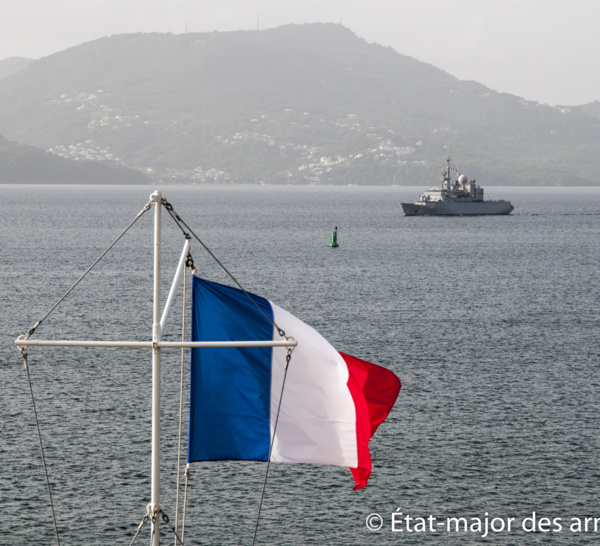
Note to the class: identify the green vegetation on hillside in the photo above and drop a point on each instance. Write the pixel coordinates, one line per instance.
(297, 104)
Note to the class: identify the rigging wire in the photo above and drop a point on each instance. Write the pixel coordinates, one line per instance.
(37, 424)
(23, 351)
(288, 357)
(166, 519)
(140, 527)
(280, 331)
(146, 208)
(180, 222)
(153, 517)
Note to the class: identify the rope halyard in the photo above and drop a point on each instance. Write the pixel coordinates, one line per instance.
(189, 263)
(187, 481)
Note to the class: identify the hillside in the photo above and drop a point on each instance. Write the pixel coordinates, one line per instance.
(12, 65)
(591, 109)
(21, 164)
(296, 104)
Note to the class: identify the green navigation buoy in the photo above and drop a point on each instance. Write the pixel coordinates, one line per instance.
(334, 243)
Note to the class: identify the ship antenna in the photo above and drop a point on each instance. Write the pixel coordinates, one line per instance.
(447, 177)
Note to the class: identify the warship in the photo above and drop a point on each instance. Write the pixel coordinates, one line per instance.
(460, 197)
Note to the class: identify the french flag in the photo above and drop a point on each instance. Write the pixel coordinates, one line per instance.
(331, 405)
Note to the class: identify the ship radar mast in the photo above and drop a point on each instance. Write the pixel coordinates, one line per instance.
(446, 178)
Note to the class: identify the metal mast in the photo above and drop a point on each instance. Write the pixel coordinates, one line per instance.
(154, 508)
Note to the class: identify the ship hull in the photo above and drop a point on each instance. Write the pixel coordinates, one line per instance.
(444, 208)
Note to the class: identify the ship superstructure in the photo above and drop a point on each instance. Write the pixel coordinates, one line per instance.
(455, 198)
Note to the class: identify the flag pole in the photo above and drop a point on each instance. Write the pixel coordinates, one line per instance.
(154, 509)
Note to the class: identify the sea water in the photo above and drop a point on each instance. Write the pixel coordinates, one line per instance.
(491, 323)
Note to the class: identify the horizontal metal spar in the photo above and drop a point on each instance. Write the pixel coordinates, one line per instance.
(150, 345)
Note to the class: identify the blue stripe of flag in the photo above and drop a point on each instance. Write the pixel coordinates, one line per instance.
(230, 391)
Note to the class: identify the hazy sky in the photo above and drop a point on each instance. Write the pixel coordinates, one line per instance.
(544, 50)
